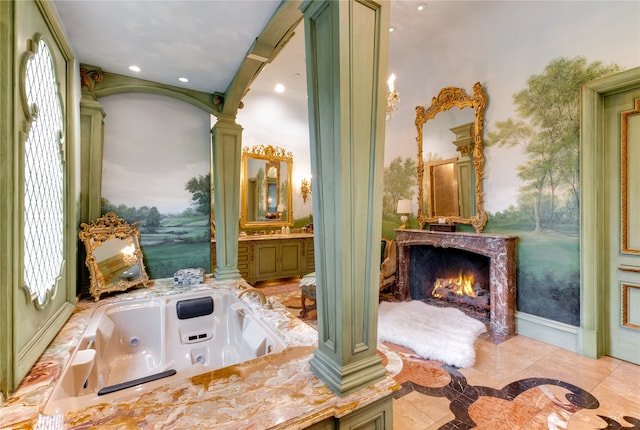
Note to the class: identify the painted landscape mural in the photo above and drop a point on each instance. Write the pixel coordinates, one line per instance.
(166, 191)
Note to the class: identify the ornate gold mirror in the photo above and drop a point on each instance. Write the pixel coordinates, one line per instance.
(451, 190)
(266, 187)
(114, 258)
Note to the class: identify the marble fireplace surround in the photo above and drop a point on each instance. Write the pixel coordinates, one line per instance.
(500, 249)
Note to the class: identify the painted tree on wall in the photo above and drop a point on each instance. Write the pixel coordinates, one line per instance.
(148, 218)
(200, 189)
(546, 219)
(548, 132)
(399, 180)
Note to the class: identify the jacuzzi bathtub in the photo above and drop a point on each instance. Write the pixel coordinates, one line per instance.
(135, 345)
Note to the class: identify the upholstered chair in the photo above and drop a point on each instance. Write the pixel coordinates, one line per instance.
(389, 264)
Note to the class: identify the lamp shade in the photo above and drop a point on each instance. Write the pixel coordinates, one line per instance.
(280, 208)
(404, 207)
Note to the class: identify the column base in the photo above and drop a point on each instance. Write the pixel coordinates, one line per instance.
(349, 378)
(225, 275)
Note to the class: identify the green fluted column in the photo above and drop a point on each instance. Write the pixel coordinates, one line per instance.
(92, 143)
(346, 45)
(226, 143)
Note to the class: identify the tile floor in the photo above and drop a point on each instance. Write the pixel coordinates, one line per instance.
(518, 384)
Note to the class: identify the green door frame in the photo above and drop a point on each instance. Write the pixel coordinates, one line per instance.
(593, 230)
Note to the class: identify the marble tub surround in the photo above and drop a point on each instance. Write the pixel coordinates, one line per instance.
(275, 391)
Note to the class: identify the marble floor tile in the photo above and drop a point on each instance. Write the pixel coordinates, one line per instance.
(435, 408)
(519, 384)
(407, 416)
(530, 386)
(573, 368)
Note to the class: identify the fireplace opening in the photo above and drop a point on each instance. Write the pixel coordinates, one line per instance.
(451, 277)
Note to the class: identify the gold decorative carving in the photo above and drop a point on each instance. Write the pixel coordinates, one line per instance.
(449, 98)
(268, 152)
(629, 269)
(89, 77)
(624, 177)
(626, 291)
(114, 258)
(464, 150)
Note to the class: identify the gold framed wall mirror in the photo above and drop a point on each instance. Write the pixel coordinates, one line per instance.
(451, 190)
(266, 194)
(114, 257)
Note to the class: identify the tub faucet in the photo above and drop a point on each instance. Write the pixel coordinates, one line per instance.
(260, 294)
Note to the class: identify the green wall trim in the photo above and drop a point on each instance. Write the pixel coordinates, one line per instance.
(7, 194)
(113, 83)
(548, 331)
(33, 350)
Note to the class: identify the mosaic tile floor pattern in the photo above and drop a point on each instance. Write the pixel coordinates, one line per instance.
(518, 384)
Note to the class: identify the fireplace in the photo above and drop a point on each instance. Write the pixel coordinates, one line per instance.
(475, 272)
(450, 276)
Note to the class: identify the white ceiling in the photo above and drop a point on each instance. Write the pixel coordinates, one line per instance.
(204, 41)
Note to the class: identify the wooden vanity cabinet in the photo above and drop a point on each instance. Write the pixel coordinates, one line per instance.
(266, 257)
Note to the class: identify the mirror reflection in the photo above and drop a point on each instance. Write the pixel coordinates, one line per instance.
(450, 175)
(266, 192)
(114, 258)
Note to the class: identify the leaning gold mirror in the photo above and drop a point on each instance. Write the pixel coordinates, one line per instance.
(450, 190)
(114, 258)
(266, 187)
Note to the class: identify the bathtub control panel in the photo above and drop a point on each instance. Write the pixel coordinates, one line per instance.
(194, 337)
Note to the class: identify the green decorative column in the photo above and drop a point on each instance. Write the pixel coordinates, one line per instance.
(346, 45)
(226, 143)
(91, 149)
(92, 142)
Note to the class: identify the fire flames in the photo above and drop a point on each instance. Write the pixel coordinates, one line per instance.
(462, 286)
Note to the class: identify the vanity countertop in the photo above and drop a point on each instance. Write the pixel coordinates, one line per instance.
(275, 391)
(279, 236)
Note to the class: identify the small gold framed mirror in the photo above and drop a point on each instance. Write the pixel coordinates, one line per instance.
(266, 197)
(114, 258)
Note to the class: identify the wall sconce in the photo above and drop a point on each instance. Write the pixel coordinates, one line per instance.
(404, 208)
(393, 98)
(305, 189)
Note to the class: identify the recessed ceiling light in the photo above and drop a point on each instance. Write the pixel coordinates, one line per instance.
(279, 88)
(183, 80)
(134, 68)
(392, 29)
(422, 6)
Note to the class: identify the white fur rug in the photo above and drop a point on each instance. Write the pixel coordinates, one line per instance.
(444, 334)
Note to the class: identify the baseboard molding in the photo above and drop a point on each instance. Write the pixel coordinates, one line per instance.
(548, 331)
